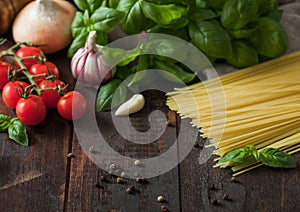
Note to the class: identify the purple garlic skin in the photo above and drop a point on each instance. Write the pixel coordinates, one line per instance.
(89, 66)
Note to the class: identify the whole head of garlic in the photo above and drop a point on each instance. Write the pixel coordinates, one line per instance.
(88, 64)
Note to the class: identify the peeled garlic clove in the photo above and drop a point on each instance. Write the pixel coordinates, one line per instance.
(133, 105)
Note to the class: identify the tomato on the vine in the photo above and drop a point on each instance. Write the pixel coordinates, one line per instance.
(12, 91)
(51, 97)
(44, 68)
(5, 68)
(72, 105)
(31, 110)
(27, 51)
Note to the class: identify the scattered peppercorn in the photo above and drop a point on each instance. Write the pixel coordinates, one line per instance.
(137, 162)
(112, 166)
(119, 180)
(91, 149)
(160, 199)
(226, 197)
(103, 178)
(123, 174)
(70, 155)
(129, 190)
(163, 208)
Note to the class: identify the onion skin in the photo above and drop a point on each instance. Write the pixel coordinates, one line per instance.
(46, 23)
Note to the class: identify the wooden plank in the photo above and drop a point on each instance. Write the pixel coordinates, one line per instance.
(88, 193)
(263, 189)
(33, 178)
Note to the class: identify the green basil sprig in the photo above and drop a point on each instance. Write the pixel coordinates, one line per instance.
(268, 156)
(94, 16)
(15, 128)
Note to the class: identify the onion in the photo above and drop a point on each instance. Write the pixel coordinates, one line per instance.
(46, 23)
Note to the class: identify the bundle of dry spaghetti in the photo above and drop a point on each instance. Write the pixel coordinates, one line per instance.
(259, 105)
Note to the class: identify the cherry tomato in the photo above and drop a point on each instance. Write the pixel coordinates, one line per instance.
(11, 92)
(27, 51)
(45, 68)
(31, 110)
(5, 68)
(72, 105)
(51, 97)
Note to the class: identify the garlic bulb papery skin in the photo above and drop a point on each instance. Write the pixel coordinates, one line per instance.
(88, 64)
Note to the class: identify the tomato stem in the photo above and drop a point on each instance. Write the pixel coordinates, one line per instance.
(19, 61)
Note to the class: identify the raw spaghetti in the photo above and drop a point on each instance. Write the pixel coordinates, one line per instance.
(259, 105)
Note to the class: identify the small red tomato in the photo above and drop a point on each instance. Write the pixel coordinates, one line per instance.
(51, 97)
(45, 68)
(11, 92)
(28, 51)
(72, 105)
(5, 68)
(31, 110)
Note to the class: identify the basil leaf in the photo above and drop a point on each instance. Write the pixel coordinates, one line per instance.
(180, 33)
(275, 14)
(163, 14)
(4, 122)
(266, 6)
(201, 14)
(106, 19)
(124, 72)
(113, 3)
(239, 155)
(17, 132)
(210, 38)
(89, 5)
(102, 38)
(124, 57)
(176, 73)
(241, 33)
(135, 20)
(77, 43)
(269, 38)
(105, 95)
(276, 158)
(185, 2)
(216, 4)
(144, 63)
(236, 14)
(78, 25)
(243, 54)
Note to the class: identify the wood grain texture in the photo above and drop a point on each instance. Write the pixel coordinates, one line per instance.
(33, 178)
(88, 193)
(263, 189)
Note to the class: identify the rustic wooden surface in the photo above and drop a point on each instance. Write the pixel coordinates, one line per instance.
(41, 178)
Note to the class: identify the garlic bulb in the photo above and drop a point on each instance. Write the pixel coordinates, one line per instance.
(88, 64)
(133, 105)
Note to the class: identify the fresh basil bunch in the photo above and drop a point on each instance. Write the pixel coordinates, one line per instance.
(15, 128)
(243, 33)
(268, 156)
(222, 29)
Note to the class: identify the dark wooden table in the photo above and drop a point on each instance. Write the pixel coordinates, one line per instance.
(42, 178)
